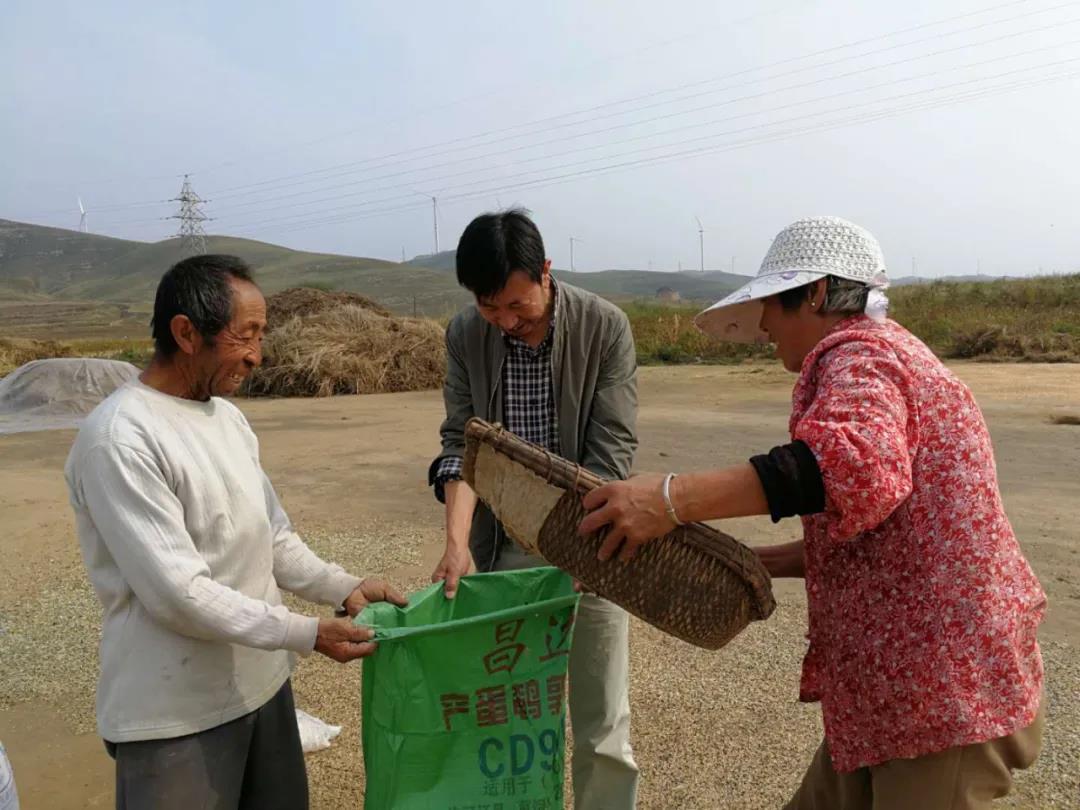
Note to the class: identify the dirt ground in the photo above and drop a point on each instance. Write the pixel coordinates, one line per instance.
(711, 730)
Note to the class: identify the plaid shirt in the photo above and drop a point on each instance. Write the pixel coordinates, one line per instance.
(528, 398)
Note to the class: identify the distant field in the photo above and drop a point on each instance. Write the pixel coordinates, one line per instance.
(665, 334)
(1035, 320)
(72, 320)
(41, 264)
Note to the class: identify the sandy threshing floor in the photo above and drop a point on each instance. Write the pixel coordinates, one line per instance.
(710, 730)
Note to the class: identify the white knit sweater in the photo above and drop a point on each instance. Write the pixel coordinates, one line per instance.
(186, 545)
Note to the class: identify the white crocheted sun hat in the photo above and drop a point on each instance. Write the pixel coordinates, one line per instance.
(803, 252)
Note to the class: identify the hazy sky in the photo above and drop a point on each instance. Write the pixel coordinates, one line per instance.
(321, 125)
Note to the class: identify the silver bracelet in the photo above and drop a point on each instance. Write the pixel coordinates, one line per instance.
(667, 500)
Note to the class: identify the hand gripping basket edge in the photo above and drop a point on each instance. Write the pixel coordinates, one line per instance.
(695, 583)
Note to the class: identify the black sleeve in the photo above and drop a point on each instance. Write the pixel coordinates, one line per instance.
(792, 481)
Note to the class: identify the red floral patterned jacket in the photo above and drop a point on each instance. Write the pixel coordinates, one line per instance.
(922, 609)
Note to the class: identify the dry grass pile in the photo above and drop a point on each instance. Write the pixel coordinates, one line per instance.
(305, 301)
(349, 350)
(17, 352)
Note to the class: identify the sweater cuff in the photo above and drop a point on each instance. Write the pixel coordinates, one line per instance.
(300, 634)
(337, 586)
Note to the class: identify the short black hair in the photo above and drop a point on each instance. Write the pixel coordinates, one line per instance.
(197, 287)
(493, 246)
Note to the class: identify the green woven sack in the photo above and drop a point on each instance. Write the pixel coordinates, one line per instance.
(464, 703)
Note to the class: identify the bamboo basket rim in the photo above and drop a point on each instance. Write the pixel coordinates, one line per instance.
(560, 472)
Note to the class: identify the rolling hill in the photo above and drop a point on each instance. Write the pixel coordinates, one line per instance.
(45, 265)
(57, 284)
(622, 284)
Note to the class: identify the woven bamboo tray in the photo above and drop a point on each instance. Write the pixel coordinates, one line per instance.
(695, 583)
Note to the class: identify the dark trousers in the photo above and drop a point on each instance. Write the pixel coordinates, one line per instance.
(252, 763)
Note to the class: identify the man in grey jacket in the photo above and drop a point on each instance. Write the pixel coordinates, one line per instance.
(555, 365)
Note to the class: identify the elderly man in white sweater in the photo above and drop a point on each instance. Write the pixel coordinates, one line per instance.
(188, 548)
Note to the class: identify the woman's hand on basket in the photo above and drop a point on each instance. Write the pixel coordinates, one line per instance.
(634, 510)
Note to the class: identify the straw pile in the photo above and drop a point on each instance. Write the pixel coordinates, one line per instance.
(305, 301)
(341, 343)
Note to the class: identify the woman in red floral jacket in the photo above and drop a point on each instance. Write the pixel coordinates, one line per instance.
(923, 611)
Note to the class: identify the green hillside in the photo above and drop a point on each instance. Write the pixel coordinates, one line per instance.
(625, 285)
(58, 285)
(133, 277)
(444, 261)
(41, 264)
(621, 284)
(37, 259)
(20, 290)
(48, 265)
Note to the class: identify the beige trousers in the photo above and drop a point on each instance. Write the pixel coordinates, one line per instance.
(603, 770)
(968, 777)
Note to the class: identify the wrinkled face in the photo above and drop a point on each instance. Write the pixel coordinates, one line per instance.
(795, 332)
(222, 363)
(520, 309)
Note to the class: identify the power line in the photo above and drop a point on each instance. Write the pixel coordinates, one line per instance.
(624, 101)
(106, 208)
(226, 192)
(609, 170)
(516, 86)
(648, 136)
(714, 122)
(112, 180)
(826, 126)
(817, 128)
(546, 182)
(768, 138)
(654, 119)
(712, 135)
(654, 94)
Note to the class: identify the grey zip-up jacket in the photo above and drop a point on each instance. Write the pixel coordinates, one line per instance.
(594, 370)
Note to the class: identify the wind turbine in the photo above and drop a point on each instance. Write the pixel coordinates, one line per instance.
(572, 240)
(701, 242)
(82, 216)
